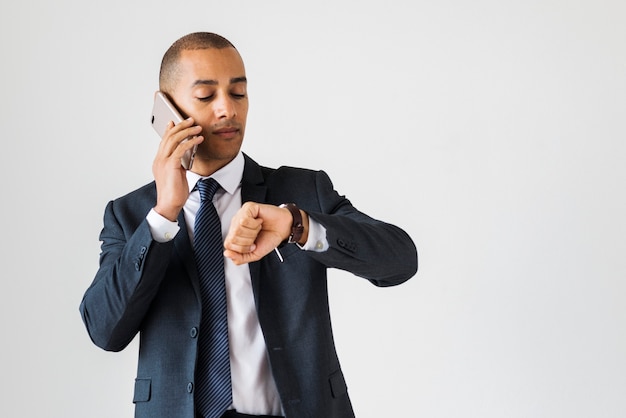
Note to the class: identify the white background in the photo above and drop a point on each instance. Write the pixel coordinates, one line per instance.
(492, 131)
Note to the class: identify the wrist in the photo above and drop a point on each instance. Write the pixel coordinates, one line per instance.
(298, 232)
(168, 213)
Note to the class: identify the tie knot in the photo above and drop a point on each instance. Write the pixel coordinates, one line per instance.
(207, 188)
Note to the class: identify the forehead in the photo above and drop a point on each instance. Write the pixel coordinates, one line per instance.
(220, 65)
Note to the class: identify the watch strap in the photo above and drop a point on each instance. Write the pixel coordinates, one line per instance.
(297, 227)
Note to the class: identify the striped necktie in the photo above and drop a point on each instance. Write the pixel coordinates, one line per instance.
(213, 393)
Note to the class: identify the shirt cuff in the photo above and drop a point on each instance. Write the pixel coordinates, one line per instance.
(162, 229)
(316, 241)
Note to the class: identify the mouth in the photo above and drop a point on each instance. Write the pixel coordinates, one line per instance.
(226, 132)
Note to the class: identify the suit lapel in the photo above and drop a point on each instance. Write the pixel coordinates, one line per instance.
(182, 245)
(253, 189)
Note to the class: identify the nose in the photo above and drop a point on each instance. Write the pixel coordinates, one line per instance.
(225, 107)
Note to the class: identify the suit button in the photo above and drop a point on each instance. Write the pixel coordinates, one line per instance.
(189, 387)
(193, 332)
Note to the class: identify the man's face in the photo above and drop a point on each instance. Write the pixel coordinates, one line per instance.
(212, 89)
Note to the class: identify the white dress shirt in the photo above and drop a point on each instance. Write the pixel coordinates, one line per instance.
(254, 390)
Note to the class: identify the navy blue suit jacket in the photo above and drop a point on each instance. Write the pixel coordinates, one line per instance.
(151, 288)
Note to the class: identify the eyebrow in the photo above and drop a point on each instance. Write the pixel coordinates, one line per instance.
(233, 80)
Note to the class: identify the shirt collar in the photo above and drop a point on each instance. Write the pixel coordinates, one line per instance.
(229, 176)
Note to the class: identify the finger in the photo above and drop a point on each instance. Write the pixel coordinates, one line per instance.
(173, 128)
(177, 138)
(242, 239)
(175, 134)
(244, 224)
(178, 134)
(185, 146)
(240, 249)
(238, 258)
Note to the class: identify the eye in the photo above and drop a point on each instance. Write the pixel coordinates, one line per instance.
(238, 96)
(205, 98)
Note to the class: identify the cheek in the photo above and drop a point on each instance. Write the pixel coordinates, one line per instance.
(203, 117)
(242, 111)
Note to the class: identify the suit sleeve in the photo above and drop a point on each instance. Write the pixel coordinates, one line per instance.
(132, 266)
(378, 251)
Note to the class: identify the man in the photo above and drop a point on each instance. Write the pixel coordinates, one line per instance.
(280, 354)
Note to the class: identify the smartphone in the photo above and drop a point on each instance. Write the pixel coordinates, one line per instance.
(163, 112)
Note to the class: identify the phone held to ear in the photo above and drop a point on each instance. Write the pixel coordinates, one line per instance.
(162, 113)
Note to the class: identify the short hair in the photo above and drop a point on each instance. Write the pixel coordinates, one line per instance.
(169, 71)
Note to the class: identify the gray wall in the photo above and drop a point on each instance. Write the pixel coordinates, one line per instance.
(492, 131)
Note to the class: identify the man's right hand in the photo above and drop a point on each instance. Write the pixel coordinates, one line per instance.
(169, 174)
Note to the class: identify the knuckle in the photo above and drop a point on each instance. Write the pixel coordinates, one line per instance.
(247, 205)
